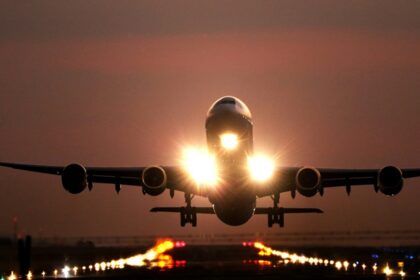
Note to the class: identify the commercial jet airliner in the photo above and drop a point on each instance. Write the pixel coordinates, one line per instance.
(228, 173)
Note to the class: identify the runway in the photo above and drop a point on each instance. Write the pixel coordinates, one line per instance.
(176, 259)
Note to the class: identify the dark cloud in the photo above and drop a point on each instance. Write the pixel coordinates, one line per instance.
(49, 20)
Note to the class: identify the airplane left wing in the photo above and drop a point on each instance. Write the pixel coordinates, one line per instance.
(309, 180)
(154, 180)
(76, 177)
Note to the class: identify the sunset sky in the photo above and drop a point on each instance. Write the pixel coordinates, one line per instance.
(128, 83)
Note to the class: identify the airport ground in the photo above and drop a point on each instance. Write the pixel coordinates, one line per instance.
(212, 261)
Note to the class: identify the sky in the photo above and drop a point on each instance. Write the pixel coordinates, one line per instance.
(128, 83)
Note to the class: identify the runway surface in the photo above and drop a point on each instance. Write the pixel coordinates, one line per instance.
(250, 259)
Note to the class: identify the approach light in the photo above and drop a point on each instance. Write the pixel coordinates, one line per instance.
(261, 168)
(200, 166)
(229, 141)
(12, 276)
(338, 265)
(346, 265)
(388, 271)
(65, 271)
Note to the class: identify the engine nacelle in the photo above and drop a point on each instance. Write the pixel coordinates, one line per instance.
(154, 180)
(390, 180)
(74, 178)
(308, 181)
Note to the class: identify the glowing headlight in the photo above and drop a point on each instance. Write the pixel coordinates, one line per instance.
(200, 166)
(261, 168)
(229, 141)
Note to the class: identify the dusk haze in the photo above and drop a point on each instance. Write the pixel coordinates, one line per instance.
(329, 84)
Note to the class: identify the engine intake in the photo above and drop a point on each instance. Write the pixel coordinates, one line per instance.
(308, 181)
(390, 180)
(74, 178)
(154, 180)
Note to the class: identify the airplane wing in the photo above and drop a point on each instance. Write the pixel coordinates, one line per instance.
(388, 180)
(285, 179)
(131, 176)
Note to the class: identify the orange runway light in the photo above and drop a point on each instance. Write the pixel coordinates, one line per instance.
(154, 257)
(295, 258)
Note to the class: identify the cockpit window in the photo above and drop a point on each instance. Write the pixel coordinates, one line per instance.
(227, 101)
(238, 106)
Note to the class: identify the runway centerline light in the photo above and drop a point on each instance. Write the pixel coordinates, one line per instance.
(261, 168)
(346, 265)
(12, 276)
(229, 141)
(387, 270)
(338, 265)
(65, 271)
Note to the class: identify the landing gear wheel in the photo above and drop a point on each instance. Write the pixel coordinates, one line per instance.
(281, 220)
(188, 216)
(194, 219)
(275, 215)
(183, 217)
(270, 220)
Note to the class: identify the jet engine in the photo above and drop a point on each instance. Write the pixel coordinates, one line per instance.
(308, 181)
(74, 178)
(390, 180)
(154, 180)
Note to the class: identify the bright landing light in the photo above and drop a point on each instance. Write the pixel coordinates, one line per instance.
(261, 168)
(229, 141)
(200, 166)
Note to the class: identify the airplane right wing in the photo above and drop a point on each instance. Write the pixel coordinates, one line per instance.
(309, 181)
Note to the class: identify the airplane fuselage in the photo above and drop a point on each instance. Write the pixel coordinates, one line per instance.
(233, 200)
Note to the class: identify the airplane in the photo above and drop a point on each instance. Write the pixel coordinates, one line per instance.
(228, 173)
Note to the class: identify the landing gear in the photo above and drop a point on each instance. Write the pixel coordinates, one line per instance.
(275, 214)
(188, 214)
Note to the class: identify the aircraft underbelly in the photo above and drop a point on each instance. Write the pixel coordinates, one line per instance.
(234, 203)
(234, 213)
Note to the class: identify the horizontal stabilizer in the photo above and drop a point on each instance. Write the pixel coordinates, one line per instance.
(198, 210)
(283, 210)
